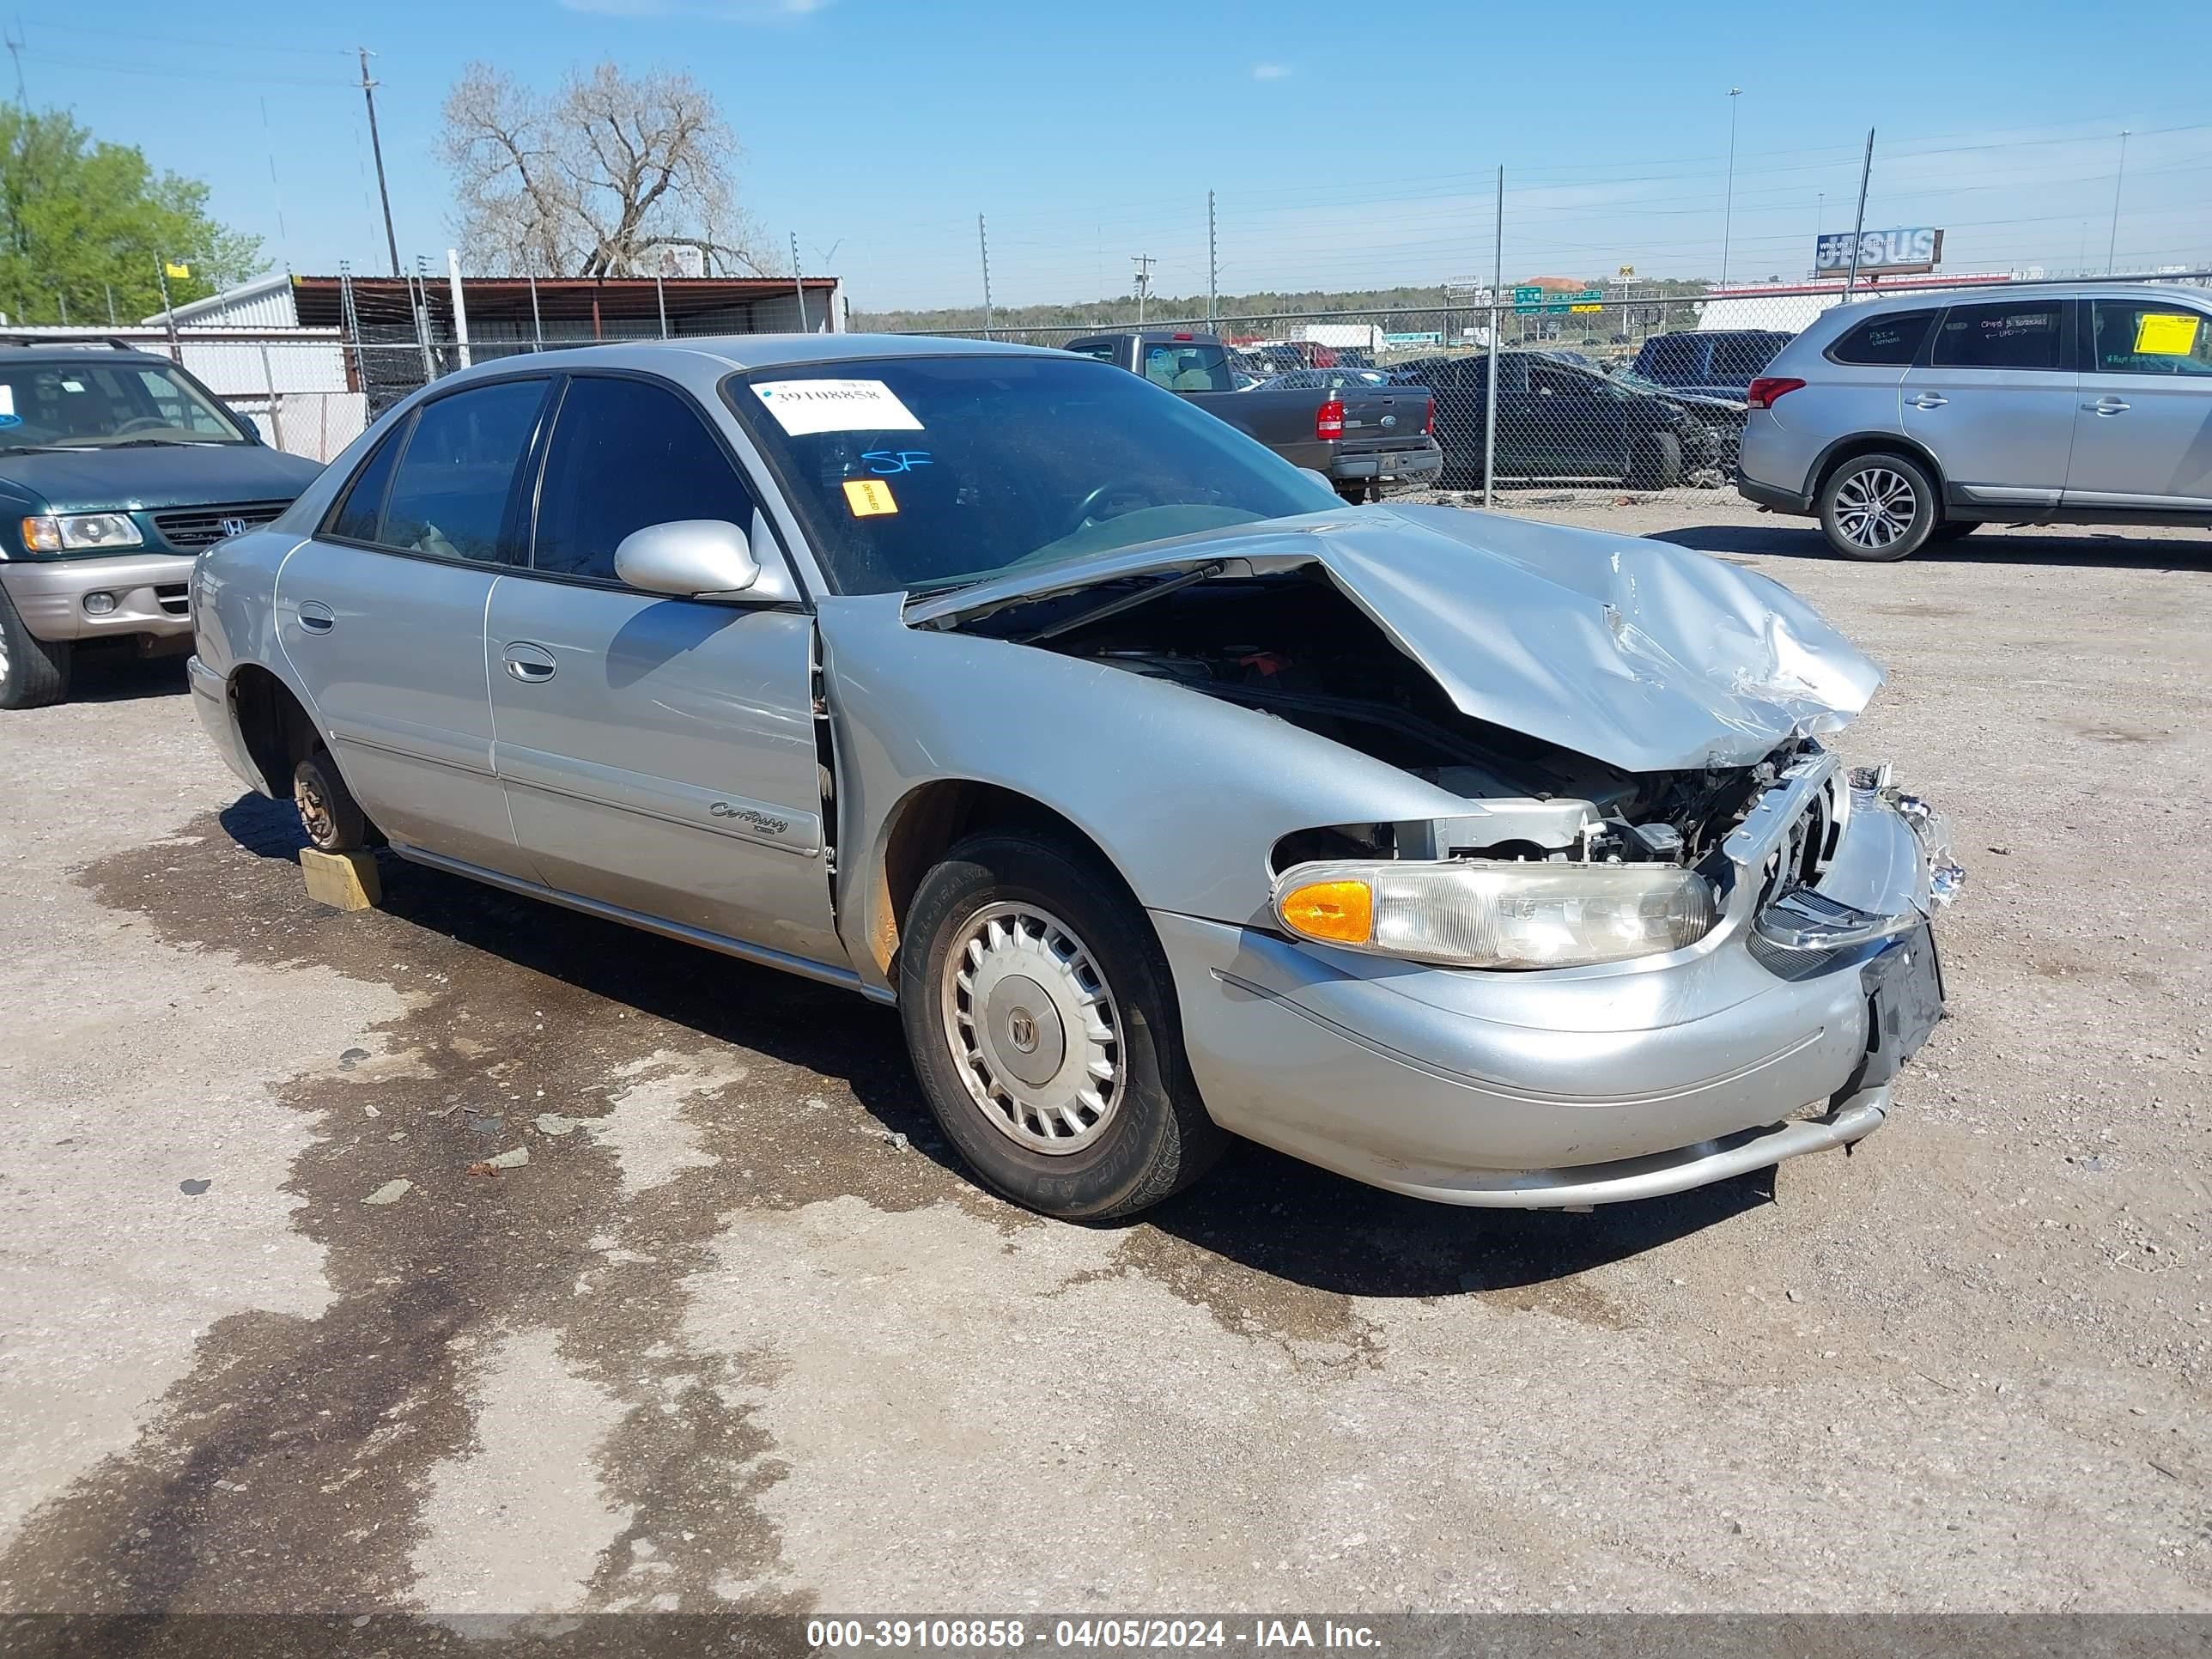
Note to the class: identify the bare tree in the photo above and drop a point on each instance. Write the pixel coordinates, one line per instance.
(595, 178)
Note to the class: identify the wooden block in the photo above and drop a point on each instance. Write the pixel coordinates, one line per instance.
(345, 881)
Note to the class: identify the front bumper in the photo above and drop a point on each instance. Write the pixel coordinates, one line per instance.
(211, 702)
(153, 594)
(1584, 1086)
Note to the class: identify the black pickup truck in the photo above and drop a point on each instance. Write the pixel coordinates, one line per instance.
(1363, 440)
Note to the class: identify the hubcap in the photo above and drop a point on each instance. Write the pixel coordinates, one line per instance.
(314, 811)
(1033, 1028)
(1875, 507)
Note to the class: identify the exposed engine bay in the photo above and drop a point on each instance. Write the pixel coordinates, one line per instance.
(1295, 647)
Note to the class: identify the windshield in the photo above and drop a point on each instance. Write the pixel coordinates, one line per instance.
(94, 402)
(926, 472)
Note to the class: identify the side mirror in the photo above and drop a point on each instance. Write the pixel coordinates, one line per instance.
(689, 558)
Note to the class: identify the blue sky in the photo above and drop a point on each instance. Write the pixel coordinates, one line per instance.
(1347, 148)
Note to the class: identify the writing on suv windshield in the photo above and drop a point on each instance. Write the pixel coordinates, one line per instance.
(921, 472)
(95, 404)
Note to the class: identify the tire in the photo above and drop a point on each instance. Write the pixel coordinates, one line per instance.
(331, 816)
(1005, 940)
(1656, 463)
(1952, 530)
(34, 672)
(1878, 507)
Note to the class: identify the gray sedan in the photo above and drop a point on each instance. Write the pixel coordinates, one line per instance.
(1168, 797)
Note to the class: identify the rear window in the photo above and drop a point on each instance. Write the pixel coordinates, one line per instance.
(1188, 367)
(1887, 342)
(2022, 334)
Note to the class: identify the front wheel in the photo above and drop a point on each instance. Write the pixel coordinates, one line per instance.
(1656, 463)
(1878, 507)
(328, 812)
(34, 672)
(1042, 1020)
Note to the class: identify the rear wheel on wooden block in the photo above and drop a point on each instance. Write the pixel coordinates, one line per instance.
(328, 812)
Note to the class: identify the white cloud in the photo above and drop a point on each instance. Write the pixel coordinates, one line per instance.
(1271, 71)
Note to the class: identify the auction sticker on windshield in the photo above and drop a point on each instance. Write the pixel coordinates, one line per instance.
(866, 497)
(801, 407)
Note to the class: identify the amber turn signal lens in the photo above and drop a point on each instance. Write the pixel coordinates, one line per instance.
(1343, 911)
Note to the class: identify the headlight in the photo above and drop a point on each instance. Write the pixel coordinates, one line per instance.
(74, 532)
(1468, 913)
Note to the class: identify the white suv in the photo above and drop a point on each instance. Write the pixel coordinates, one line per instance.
(1900, 420)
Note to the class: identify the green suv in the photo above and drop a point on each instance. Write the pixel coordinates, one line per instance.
(116, 468)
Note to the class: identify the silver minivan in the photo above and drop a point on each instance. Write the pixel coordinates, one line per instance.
(1898, 422)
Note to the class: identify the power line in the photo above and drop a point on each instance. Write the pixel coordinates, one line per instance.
(185, 40)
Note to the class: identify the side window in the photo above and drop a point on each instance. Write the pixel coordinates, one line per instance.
(2148, 337)
(2024, 334)
(1101, 349)
(1677, 359)
(1549, 382)
(1742, 357)
(450, 494)
(1887, 342)
(625, 454)
(358, 514)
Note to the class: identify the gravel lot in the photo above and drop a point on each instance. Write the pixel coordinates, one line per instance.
(737, 1344)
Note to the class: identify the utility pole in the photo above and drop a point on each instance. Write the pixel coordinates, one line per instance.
(1213, 264)
(168, 311)
(983, 242)
(376, 149)
(2118, 178)
(1143, 262)
(1728, 208)
(1489, 369)
(15, 51)
(1858, 225)
(797, 285)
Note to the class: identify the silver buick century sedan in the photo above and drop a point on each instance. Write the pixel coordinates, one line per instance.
(1169, 797)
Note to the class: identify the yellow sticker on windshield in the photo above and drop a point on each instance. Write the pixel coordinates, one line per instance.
(2165, 334)
(866, 497)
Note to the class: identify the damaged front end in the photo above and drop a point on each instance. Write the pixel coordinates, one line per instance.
(1567, 852)
(1518, 871)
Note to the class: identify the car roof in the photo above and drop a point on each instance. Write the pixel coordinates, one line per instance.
(750, 351)
(29, 353)
(1928, 299)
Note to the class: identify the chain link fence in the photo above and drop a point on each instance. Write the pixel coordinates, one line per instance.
(1607, 388)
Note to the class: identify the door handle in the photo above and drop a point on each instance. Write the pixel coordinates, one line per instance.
(1929, 400)
(2106, 406)
(316, 617)
(531, 664)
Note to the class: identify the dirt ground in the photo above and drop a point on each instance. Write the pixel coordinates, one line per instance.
(747, 1339)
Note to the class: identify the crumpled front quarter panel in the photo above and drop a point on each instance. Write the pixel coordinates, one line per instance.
(1184, 793)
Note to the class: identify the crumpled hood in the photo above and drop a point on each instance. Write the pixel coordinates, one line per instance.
(1644, 655)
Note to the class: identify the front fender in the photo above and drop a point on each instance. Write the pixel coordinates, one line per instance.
(1185, 794)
